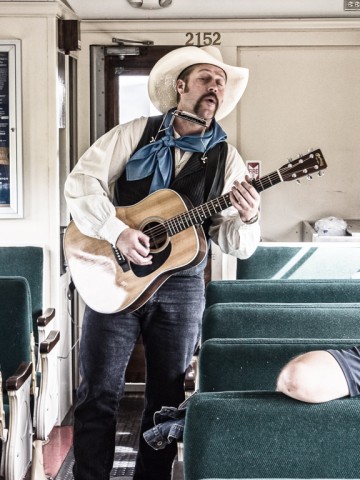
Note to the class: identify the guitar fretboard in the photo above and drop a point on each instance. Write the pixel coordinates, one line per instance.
(267, 181)
(198, 215)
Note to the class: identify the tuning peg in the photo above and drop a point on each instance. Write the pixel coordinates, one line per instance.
(298, 181)
(321, 173)
(309, 177)
(310, 150)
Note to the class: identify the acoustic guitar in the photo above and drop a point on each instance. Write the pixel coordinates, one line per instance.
(108, 283)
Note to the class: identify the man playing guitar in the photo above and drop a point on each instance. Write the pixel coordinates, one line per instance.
(184, 150)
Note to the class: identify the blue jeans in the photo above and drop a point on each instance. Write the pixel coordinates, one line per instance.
(170, 327)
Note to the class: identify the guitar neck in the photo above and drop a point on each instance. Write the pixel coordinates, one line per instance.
(198, 215)
(267, 181)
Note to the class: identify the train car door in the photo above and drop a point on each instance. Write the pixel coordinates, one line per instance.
(119, 94)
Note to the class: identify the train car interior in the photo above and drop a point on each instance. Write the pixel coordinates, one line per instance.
(71, 71)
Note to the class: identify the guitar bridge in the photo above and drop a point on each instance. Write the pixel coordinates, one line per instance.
(120, 259)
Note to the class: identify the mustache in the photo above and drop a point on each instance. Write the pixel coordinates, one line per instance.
(207, 95)
(210, 94)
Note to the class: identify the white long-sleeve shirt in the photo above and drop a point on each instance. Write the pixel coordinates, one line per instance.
(89, 189)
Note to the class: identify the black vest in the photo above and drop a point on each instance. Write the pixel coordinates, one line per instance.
(197, 181)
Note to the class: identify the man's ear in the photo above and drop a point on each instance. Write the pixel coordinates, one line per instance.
(180, 85)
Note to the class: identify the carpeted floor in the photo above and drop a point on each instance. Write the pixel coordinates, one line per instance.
(126, 441)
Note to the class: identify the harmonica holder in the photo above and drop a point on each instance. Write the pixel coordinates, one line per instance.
(190, 117)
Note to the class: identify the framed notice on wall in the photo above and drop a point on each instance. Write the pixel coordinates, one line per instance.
(11, 200)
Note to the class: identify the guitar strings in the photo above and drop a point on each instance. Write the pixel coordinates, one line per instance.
(195, 213)
(194, 216)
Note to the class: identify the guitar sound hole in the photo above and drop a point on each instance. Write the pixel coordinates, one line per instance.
(158, 236)
(159, 258)
(160, 247)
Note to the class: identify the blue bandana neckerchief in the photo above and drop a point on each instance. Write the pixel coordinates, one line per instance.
(156, 157)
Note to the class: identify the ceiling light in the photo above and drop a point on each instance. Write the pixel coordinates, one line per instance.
(149, 4)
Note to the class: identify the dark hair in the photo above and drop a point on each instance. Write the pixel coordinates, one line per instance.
(184, 75)
(186, 72)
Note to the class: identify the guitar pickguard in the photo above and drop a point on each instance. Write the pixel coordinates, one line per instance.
(158, 260)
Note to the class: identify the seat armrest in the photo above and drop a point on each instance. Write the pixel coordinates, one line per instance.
(18, 379)
(46, 317)
(50, 341)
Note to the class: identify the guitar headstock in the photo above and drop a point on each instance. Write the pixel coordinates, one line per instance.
(304, 165)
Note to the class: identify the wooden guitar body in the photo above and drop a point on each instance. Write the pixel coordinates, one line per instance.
(108, 286)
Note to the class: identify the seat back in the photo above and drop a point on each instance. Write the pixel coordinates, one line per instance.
(16, 365)
(273, 320)
(27, 262)
(253, 364)
(283, 291)
(305, 260)
(233, 435)
(15, 324)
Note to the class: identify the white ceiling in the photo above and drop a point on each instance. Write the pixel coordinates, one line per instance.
(183, 9)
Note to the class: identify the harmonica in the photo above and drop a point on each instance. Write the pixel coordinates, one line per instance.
(190, 117)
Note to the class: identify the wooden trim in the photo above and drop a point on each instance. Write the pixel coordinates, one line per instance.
(18, 379)
(49, 343)
(46, 317)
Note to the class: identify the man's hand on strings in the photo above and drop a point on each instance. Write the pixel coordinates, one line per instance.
(135, 245)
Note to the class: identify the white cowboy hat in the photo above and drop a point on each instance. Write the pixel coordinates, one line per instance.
(163, 76)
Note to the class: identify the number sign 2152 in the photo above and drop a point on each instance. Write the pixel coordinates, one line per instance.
(203, 38)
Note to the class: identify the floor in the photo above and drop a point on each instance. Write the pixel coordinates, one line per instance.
(56, 457)
(57, 449)
(58, 460)
(57, 454)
